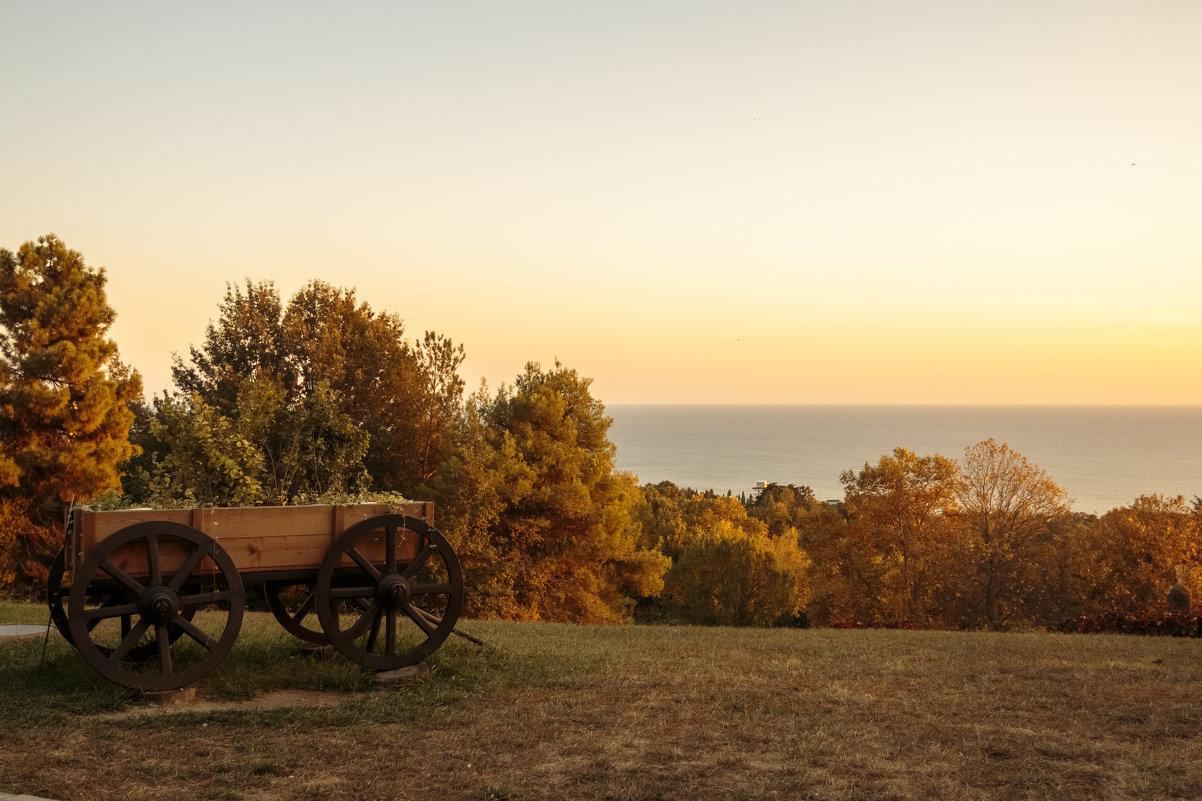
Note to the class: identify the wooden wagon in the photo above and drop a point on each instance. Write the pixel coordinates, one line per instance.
(154, 599)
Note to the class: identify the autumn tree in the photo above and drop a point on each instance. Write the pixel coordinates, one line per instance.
(206, 460)
(732, 577)
(441, 402)
(325, 347)
(541, 518)
(727, 567)
(1008, 512)
(896, 508)
(471, 494)
(659, 516)
(670, 519)
(10, 473)
(64, 395)
(264, 452)
(246, 340)
(844, 574)
(782, 506)
(703, 513)
(1130, 556)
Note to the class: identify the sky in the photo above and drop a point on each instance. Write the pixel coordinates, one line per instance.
(863, 202)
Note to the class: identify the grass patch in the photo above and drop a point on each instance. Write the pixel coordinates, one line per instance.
(14, 613)
(552, 711)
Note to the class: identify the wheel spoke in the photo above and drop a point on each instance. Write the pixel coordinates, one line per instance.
(390, 549)
(375, 634)
(418, 616)
(364, 563)
(390, 634)
(305, 608)
(419, 561)
(105, 612)
(195, 632)
(186, 569)
(363, 622)
(164, 649)
(152, 559)
(129, 641)
(122, 576)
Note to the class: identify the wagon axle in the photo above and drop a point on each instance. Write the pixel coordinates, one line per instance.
(159, 605)
(392, 592)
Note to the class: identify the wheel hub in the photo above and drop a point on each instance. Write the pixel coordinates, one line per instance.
(392, 591)
(159, 605)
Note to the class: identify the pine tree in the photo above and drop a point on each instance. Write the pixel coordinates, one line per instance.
(64, 414)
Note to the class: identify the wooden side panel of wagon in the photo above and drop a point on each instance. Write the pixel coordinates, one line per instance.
(263, 540)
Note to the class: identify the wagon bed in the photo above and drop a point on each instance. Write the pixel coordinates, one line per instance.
(153, 599)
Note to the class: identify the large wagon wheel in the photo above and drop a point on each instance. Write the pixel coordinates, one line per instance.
(389, 591)
(166, 628)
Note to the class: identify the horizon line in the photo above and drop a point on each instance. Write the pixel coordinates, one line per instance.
(1065, 405)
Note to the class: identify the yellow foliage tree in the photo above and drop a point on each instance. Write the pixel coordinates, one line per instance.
(1132, 555)
(539, 516)
(1009, 510)
(731, 577)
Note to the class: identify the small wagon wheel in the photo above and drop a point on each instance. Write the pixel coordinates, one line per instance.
(389, 591)
(293, 604)
(131, 606)
(56, 597)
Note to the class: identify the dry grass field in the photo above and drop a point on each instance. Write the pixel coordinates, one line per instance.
(563, 712)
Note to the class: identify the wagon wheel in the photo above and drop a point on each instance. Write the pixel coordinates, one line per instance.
(56, 596)
(293, 604)
(139, 631)
(389, 591)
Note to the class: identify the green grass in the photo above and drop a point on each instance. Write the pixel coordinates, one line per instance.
(550, 711)
(17, 612)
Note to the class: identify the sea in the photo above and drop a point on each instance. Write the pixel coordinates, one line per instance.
(1104, 457)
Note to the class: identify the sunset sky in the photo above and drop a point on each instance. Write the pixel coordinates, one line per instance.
(690, 202)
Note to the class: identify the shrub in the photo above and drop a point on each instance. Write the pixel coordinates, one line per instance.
(1162, 624)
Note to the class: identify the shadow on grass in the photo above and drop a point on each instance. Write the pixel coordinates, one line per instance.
(47, 681)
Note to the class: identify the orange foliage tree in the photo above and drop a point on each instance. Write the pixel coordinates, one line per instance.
(896, 508)
(64, 397)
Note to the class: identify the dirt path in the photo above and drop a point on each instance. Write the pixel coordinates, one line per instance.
(187, 700)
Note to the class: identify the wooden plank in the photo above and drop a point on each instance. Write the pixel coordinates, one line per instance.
(131, 558)
(99, 525)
